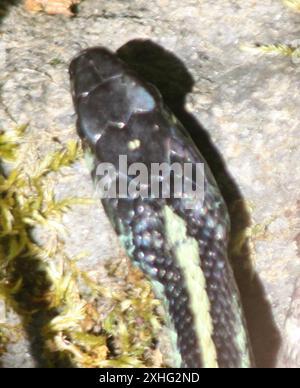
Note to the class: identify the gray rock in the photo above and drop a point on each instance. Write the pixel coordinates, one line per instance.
(248, 105)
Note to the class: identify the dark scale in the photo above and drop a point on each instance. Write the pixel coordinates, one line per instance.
(218, 274)
(120, 114)
(158, 264)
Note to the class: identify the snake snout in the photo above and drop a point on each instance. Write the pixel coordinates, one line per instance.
(92, 67)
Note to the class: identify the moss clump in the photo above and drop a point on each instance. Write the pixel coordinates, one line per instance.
(274, 49)
(70, 319)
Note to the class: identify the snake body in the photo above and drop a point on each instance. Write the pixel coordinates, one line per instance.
(182, 250)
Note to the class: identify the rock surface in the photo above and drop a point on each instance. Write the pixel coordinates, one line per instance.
(247, 106)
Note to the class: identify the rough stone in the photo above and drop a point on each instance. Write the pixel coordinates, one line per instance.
(248, 106)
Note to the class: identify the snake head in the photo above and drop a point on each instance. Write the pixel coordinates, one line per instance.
(91, 67)
(106, 94)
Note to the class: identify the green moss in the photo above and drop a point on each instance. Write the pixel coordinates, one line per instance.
(55, 62)
(274, 49)
(68, 327)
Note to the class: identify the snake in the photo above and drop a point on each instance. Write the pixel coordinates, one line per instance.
(182, 249)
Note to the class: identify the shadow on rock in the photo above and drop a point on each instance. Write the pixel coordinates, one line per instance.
(31, 301)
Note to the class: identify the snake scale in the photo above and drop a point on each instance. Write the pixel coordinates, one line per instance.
(182, 250)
